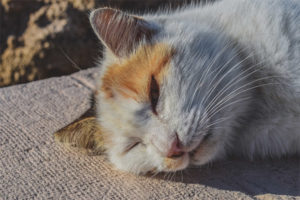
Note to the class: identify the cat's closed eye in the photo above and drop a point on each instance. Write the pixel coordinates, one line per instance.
(154, 94)
(134, 142)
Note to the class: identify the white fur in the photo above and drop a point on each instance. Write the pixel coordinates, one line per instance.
(267, 123)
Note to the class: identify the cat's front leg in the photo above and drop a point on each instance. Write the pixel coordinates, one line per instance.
(84, 133)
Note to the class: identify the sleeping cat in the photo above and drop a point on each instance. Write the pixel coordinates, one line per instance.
(195, 85)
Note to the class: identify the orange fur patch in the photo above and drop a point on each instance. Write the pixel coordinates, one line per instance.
(173, 164)
(131, 77)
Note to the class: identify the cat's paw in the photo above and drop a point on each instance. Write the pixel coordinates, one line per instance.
(85, 134)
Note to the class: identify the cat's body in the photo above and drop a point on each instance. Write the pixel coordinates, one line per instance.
(201, 83)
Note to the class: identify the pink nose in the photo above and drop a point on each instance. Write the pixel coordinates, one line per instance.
(175, 150)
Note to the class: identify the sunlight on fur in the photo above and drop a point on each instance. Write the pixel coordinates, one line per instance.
(192, 86)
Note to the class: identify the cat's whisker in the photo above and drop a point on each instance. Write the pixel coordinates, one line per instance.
(155, 174)
(227, 105)
(220, 105)
(229, 83)
(197, 121)
(225, 88)
(220, 127)
(74, 64)
(215, 108)
(207, 95)
(174, 176)
(169, 175)
(211, 103)
(233, 82)
(217, 122)
(230, 70)
(237, 94)
(195, 113)
(204, 75)
(165, 173)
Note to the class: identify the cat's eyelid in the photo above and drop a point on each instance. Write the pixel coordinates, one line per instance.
(135, 141)
(154, 94)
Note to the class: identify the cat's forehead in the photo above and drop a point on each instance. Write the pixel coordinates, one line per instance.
(131, 77)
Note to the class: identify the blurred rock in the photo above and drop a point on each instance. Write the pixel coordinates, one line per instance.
(45, 38)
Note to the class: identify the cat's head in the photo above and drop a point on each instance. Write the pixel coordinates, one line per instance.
(161, 95)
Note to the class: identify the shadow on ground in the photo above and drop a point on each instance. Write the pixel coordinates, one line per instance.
(280, 177)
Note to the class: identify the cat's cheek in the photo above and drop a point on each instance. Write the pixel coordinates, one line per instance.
(137, 161)
(206, 153)
(156, 160)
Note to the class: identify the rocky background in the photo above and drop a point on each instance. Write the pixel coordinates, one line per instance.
(45, 38)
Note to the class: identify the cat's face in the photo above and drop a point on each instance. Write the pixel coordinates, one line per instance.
(154, 99)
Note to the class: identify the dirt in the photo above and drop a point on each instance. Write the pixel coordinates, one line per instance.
(46, 38)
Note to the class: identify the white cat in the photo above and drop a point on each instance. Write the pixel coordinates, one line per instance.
(195, 85)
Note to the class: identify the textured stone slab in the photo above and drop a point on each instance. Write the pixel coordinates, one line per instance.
(33, 166)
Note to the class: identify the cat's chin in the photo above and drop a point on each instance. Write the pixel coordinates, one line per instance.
(183, 161)
(198, 156)
(176, 164)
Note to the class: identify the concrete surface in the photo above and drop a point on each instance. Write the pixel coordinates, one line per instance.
(33, 166)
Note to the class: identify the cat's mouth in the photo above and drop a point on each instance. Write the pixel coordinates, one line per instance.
(181, 160)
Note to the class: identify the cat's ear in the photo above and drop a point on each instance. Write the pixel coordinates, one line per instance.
(120, 32)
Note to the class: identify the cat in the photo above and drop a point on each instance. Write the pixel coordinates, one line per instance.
(195, 85)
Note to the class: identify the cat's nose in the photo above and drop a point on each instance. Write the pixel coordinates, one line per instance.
(175, 149)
